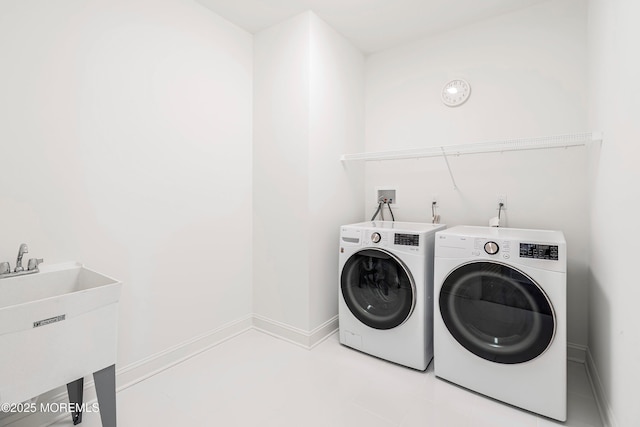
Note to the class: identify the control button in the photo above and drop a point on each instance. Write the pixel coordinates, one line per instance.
(375, 237)
(491, 248)
(506, 256)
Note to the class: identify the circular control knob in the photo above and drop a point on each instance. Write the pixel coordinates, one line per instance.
(491, 248)
(375, 237)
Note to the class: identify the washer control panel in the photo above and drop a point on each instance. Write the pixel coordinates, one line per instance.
(406, 239)
(538, 251)
(375, 238)
(408, 242)
(491, 248)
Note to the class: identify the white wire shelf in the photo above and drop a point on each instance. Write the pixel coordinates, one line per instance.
(520, 144)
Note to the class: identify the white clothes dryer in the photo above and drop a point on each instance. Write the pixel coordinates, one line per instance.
(500, 326)
(385, 297)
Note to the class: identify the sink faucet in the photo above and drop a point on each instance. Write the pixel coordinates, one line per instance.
(32, 266)
(23, 250)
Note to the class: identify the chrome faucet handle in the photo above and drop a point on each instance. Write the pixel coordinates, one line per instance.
(34, 263)
(5, 268)
(21, 251)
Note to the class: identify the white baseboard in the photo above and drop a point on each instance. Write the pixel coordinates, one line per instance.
(606, 412)
(576, 352)
(156, 363)
(324, 331)
(300, 337)
(134, 373)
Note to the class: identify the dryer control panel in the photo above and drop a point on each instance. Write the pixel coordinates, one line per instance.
(540, 249)
(498, 248)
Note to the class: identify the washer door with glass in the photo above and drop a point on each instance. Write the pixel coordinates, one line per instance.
(497, 312)
(378, 288)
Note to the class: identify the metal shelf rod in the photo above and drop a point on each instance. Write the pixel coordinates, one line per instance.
(521, 144)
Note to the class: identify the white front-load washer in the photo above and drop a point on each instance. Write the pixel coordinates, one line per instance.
(500, 324)
(385, 305)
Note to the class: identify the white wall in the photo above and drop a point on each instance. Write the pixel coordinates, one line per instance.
(614, 341)
(336, 191)
(308, 109)
(126, 145)
(280, 177)
(528, 72)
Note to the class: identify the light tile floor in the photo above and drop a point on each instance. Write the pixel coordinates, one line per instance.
(257, 380)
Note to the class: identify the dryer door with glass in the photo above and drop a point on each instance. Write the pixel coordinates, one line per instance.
(378, 288)
(497, 312)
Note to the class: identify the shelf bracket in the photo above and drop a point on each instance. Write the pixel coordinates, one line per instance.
(444, 155)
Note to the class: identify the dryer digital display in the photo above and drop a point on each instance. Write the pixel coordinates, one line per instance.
(536, 251)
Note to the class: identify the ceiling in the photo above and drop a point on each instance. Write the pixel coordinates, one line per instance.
(371, 25)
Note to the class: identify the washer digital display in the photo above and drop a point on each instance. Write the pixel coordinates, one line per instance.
(537, 251)
(406, 239)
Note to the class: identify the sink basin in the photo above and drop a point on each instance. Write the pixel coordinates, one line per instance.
(56, 326)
